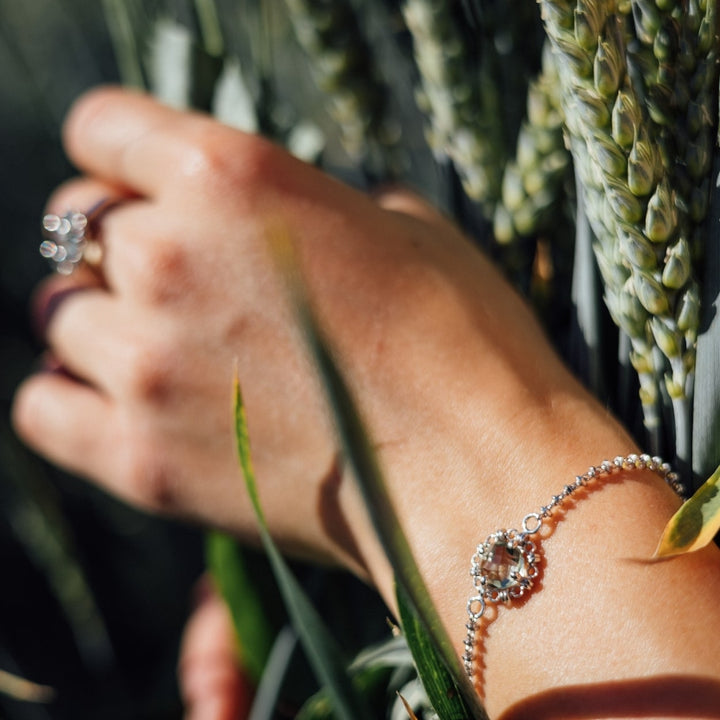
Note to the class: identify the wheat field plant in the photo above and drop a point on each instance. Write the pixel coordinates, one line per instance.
(576, 141)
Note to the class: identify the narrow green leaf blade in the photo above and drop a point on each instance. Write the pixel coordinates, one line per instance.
(323, 653)
(696, 523)
(441, 688)
(254, 631)
(124, 35)
(277, 667)
(210, 27)
(706, 397)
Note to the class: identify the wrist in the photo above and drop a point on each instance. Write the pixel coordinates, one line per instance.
(597, 573)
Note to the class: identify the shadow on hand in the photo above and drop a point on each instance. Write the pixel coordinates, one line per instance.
(667, 696)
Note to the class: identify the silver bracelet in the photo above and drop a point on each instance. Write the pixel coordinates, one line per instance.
(505, 566)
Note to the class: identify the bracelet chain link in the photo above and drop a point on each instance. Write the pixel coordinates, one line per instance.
(504, 567)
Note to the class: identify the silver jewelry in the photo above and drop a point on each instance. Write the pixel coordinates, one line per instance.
(505, 566)
(69, 239)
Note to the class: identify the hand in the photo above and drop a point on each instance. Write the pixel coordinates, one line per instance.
(188, 291)
(475, 420)
(212, 684)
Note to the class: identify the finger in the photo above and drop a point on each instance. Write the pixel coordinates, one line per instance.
(86, 335)
(53, 290)
(82, 193)
(212, 685)
(130, 139)
(122, 230)
(97, 200)
(64, 421)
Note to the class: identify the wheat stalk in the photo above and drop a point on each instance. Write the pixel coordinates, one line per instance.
(637, 84)
(459, 98)
(344, 68)
(532, 181)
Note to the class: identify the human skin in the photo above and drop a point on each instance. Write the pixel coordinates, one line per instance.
(475, 420)
(211, 680)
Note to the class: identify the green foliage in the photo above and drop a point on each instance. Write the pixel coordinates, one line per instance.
(696, 523)
(441, 688)
(124, 17)
(323, 652)
(254, 630)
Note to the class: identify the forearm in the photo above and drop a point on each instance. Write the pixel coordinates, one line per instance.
(601, 616)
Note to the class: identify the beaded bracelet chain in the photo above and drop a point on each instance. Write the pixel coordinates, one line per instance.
(505, 566)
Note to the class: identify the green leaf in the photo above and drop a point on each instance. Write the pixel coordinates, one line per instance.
(277, 667)
(706, 402)
(360, 456)
(122, 21)
(210, 27)
(441, 689)
(253, 629)
(390, 653)
(323, 653)
(695, 524)
(374, 672)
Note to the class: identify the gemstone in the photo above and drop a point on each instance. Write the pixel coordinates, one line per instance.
(48, 249)
(503, 566)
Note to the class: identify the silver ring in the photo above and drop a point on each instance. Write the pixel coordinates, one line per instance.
(72, 238)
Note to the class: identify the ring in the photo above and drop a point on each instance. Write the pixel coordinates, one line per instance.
(72, 238)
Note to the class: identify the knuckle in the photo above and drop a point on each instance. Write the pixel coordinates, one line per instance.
(148, 372)
(220, 161)
(164, 272)
(90, 109)
(148, 477)
(71, 194)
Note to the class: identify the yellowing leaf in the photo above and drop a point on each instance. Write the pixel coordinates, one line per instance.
(695, 524)
(408, 709)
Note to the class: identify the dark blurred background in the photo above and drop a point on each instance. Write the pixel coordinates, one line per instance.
(93, 595)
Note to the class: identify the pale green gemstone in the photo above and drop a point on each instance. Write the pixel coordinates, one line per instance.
(504, 567)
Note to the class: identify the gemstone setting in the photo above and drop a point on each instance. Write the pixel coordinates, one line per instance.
(504, 566)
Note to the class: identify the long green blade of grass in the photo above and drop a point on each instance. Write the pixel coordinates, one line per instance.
(441, 689)
(325, 656)
(210, 27)
(276, 670)
(706, 404)
(254, 631)
(126, 44)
